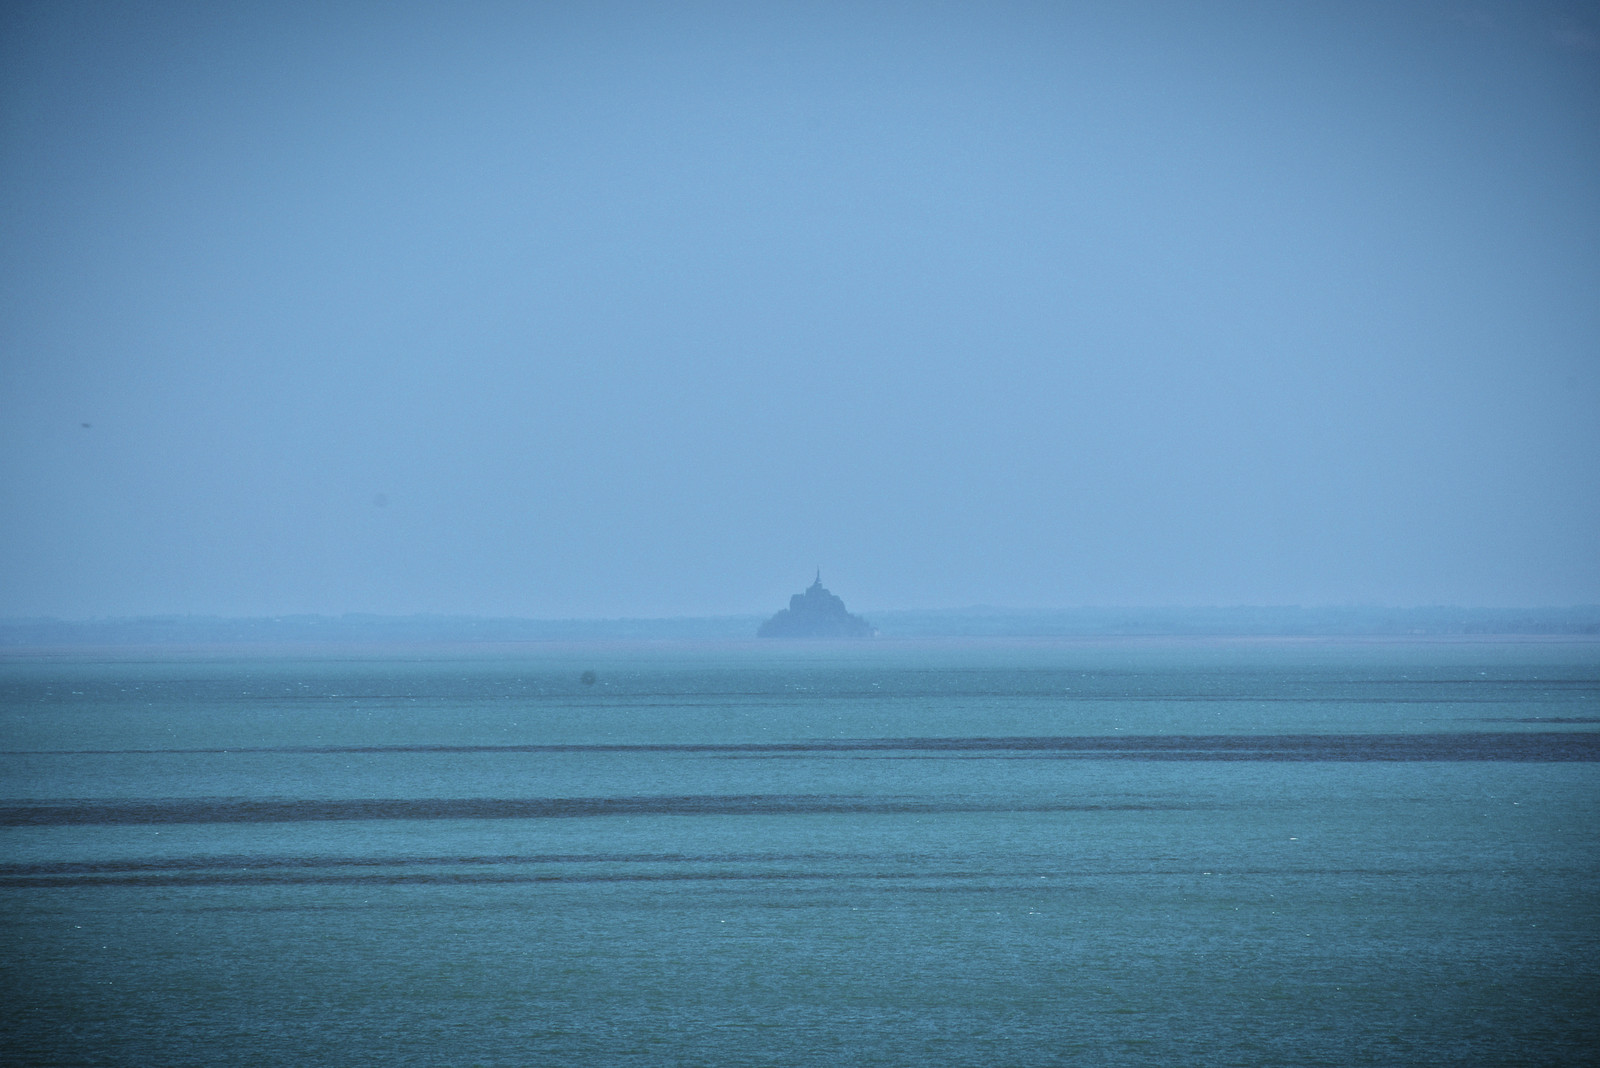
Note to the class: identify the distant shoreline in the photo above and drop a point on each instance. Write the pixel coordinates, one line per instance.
(356, 631)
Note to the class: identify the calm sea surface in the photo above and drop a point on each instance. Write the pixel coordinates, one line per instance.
(1007, 853)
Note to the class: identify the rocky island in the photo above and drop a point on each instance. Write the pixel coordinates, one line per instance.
(816, 613)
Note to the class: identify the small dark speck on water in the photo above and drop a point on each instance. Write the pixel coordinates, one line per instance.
(588, 678)
(380, 500)
(86, 426)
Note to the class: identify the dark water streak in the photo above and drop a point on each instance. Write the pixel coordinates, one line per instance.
(1547, 746)
(240, 810)
(202, 871)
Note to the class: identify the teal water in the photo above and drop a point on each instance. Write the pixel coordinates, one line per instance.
(1000, 853)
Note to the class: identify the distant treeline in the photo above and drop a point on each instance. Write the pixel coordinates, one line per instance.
(955, 623)
(1281, 621)
(213, 630)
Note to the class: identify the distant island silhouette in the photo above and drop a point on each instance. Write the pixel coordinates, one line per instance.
(816, 613)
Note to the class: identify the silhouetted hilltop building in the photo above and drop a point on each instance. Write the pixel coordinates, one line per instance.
(816, 613)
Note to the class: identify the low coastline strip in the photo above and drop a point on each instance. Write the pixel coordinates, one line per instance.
(1515, 746)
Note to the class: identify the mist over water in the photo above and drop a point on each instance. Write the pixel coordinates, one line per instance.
(630, 310)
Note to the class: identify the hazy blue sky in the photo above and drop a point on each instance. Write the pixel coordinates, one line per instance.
(598, 309)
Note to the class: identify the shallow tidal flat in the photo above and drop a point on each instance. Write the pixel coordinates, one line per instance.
(985, 852)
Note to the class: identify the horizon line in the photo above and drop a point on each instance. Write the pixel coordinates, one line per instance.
(992, 609)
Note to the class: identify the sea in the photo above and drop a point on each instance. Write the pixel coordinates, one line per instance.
(978, 852)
